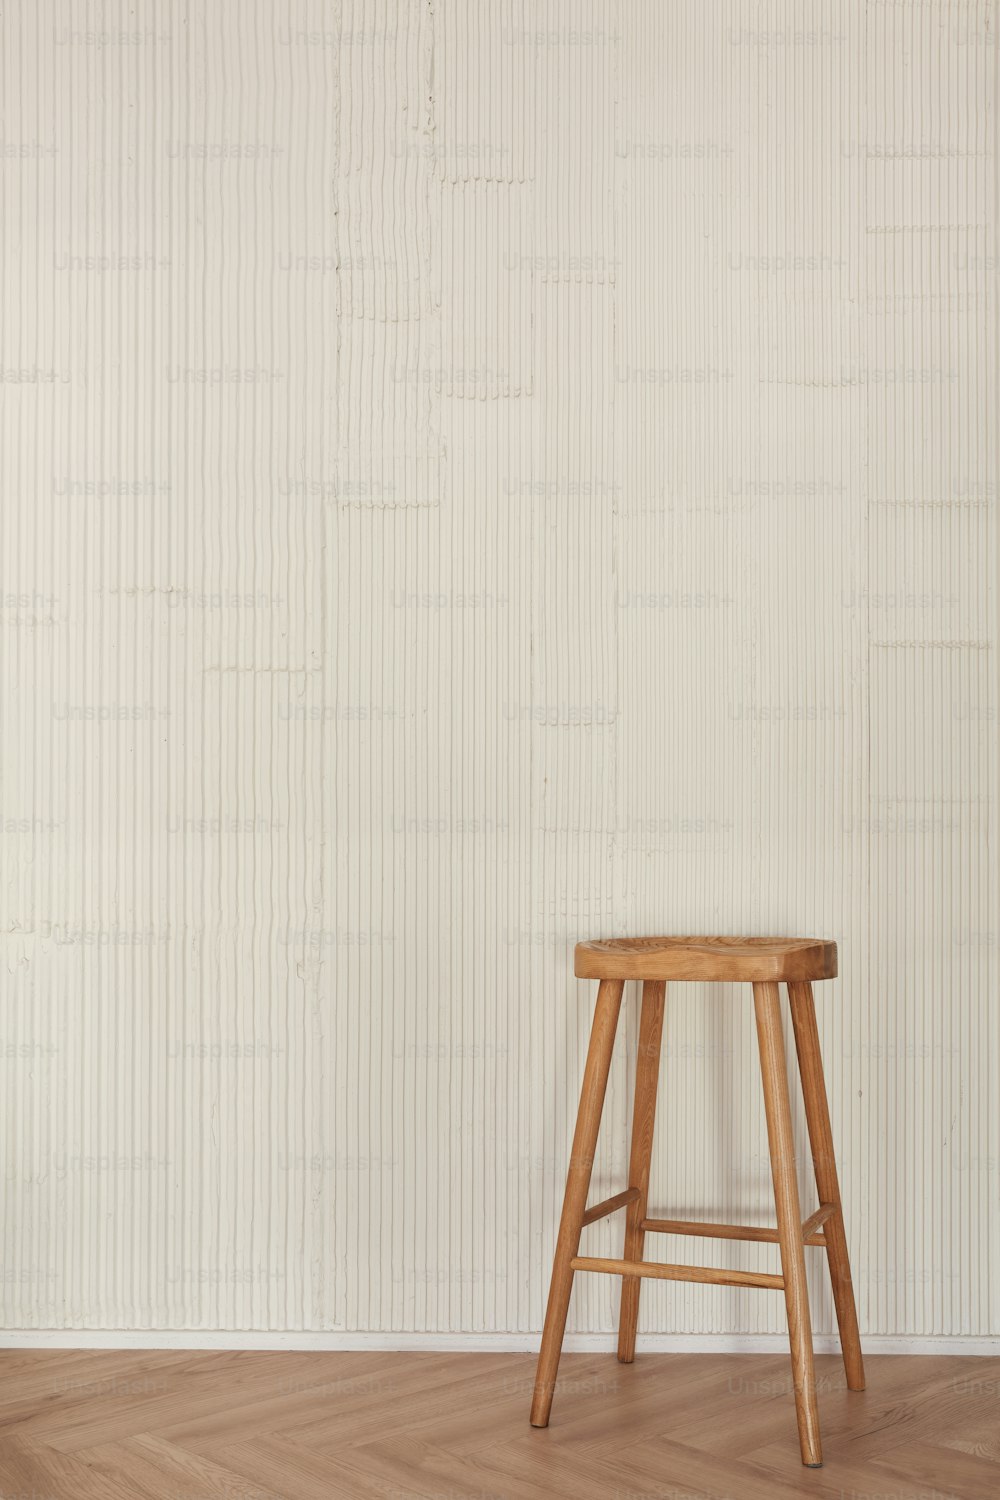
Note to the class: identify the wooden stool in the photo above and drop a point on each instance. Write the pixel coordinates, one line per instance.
(763, 962)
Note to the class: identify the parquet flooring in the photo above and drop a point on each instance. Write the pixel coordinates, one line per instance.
(79, 1425)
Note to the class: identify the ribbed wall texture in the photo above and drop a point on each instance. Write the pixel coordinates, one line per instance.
(479, 474)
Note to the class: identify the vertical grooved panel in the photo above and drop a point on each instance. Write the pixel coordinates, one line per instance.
(479, 474)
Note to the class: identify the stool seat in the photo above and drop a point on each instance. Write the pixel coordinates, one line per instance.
(714, 959)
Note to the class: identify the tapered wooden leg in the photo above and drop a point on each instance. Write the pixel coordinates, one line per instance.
(588, 1122)
(800, 998)
(647, 1073)
(786, 1199)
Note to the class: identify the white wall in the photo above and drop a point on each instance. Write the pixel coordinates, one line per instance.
(604, 542)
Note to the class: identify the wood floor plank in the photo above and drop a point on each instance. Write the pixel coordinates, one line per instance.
(338, 1420)
(41, 1402)
(841, 1477)
(40, 1473)
(498, 1403)
(408, 1466)
(986, 1446)
(219, 1383)
(738, 1403)
(906, 1416)
(290, 1472)
(116, 1425)
(754, 1413)
(685, 1387)
(943, 1468)
(567, 1473)
(980, 1436)
(417, 1398)
(56, 1378)
(150, 1462)
(86, 1364)
(666, 1464)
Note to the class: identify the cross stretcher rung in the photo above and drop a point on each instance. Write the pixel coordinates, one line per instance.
(758, 1233)
(660, 1272)
(814, 1222)
(610, 1205)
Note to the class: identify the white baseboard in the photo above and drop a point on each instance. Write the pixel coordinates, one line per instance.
(495, 1343)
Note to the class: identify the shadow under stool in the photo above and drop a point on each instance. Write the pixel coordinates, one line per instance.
(765, 963)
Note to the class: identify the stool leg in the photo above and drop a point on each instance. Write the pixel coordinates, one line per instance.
(588, 1122)
(800, 998)
(786, 1199)
(647, 1073)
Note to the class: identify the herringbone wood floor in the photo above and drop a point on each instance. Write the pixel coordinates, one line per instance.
(265, 1426)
